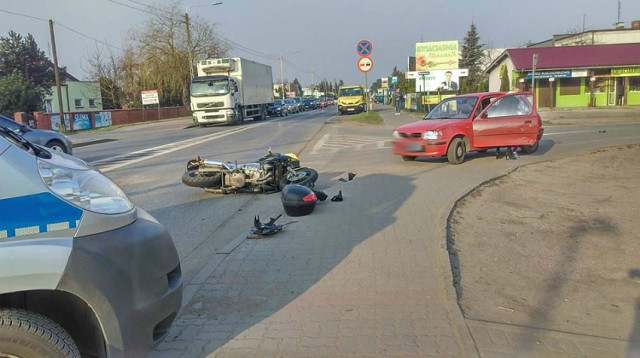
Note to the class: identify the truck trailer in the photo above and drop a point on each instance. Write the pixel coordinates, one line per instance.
(230, 90)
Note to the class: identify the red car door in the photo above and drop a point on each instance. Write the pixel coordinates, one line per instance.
(510, 120)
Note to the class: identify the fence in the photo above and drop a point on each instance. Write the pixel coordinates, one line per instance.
(90, 120)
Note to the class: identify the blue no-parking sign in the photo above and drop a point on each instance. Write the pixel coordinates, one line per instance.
(364, 48)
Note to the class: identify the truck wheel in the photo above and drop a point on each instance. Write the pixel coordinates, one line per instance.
(240, 118)
(456, 151)
(194, 179)
(29, 334)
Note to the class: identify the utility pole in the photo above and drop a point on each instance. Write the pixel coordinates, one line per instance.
(189, 45)
(282, 76)
(56, 72)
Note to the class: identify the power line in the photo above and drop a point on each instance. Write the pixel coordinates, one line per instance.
(23, 15)
(63, 26)
(89, 37)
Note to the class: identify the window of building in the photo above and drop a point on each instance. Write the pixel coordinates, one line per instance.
(78, 103)
(600, 85)
(569, 86)
(634, 84)
(92, 103)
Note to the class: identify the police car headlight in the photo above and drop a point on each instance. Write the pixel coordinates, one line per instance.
(88, 189)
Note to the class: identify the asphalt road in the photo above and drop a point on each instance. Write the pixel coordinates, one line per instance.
(202, 224)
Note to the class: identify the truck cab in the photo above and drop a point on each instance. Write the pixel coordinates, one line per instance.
(352, 99)
(230, 90)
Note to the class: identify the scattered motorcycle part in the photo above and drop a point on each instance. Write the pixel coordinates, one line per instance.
(350, 177)
(268, 228)
(337, 197)
(298, 200)
(321, 195)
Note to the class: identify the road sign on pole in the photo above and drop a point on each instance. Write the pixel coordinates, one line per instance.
(364, 48)
(365, 64)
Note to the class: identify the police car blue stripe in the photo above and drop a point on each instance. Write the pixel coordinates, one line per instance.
(37, 213)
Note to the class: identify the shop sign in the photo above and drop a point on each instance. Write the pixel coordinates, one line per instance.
(549, 74)
(579, 73)
(625, 71)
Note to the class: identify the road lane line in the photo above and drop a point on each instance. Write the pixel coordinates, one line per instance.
(120, 161)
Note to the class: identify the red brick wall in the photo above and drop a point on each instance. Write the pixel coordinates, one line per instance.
(123, 116)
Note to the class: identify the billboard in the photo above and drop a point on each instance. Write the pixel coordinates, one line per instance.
(440, 55)
(438, 80)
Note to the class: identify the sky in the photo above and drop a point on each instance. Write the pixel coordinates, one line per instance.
(317, 39)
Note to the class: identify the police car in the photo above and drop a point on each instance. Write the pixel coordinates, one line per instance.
(82, 270)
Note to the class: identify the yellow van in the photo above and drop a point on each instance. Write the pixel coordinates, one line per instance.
(352, 99)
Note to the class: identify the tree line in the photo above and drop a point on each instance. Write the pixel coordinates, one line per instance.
(155, 56)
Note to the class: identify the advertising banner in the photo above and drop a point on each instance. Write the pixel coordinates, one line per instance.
(440, 55)
(55, 122)
(103, 119)
(385, 82)
(149, 97)
(81, 121)
(440, 80)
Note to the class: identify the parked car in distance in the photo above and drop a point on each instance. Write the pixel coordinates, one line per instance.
(309, 103)
(46, 138)
(472, 122)
(292, 106)
(299, 103)
(278, 108)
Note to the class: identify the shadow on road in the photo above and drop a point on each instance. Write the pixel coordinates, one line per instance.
(260, 280)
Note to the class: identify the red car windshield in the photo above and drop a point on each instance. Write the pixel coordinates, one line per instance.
(452, 108)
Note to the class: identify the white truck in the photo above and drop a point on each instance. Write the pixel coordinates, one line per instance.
(230, 90)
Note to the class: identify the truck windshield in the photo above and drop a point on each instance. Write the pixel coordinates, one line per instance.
(209, 88)
(350, 92)
(459, 107)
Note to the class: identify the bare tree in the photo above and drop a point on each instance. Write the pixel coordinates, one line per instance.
(156, 57)
(162, 47)
(103, 65)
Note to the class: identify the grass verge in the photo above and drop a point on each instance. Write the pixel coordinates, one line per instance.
(370, 117)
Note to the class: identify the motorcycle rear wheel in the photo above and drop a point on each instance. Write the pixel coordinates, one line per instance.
(305, 177)
(194, 179)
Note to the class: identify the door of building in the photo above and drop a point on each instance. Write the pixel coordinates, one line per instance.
(611, 92)
(546, 93)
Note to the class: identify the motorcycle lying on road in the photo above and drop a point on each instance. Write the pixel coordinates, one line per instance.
(269, 174)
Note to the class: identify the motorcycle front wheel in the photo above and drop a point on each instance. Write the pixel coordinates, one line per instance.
(304, 176)
(193, 178)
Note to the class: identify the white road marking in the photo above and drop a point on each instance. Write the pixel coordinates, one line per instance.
(120, 161)
(334, 143)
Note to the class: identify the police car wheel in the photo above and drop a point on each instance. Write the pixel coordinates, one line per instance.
(29, 334)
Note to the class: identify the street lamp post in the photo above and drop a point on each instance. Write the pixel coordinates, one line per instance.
(186, 22)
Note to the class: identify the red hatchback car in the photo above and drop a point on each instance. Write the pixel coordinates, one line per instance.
(472, 122)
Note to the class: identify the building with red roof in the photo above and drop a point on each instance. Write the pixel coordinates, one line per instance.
(573, 76)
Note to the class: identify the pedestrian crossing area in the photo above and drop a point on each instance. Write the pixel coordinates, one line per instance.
(330, 143)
